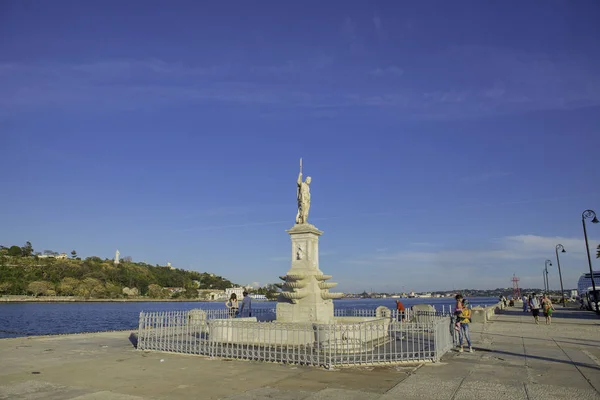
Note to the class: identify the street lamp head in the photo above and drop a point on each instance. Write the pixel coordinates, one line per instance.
(563, 251)
(561, 248)
(590, 214)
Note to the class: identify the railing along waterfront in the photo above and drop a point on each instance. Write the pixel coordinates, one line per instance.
(350, 341)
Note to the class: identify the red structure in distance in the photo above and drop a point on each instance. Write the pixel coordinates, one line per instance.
(516, 290)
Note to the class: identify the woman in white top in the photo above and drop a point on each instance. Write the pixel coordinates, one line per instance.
(232, 305)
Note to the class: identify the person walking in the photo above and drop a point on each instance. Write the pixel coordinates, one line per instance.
(548, 308)
(525, 303)
(246, 305)
(535, 308)
(232, 305)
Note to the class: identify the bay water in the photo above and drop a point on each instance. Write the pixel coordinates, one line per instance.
(29, 319)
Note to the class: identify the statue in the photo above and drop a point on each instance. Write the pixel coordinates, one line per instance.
(303, 195)
(117, 253)
(299, 253)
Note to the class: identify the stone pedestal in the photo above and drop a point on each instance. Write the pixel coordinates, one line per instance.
(305, 295)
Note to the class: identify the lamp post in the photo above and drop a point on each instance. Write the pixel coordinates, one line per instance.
(546, 283)
(544, 279)
(590, 214)
(562, 292)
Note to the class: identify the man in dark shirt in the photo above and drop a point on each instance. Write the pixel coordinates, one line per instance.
(246, 306)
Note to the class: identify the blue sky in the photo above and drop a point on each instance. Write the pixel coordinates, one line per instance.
(451, 144)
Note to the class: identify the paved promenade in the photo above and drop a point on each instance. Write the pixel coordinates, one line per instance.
(514, 359)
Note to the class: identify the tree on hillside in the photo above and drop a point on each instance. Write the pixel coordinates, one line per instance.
(4, 286)
(91, 287)
(27, 250)
(14, 251)
(21, 271)
(113, 291)
(39, 288)
(68, 286)
(155, 291)
(270, 290)
(73, 254)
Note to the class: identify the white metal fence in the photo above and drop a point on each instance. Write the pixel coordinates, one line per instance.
(348, 342)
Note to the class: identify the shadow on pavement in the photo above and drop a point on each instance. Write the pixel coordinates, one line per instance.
(580, 343)
(509, 353)
(558, 314)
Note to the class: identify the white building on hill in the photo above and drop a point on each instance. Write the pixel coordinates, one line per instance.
(239, 292)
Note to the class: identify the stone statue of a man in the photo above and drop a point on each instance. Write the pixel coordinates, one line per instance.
(303, 199)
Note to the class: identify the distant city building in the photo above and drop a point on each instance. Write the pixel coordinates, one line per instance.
(174, 290)
(239, 292)
(60, 256)
(168, 266)
(211, 294)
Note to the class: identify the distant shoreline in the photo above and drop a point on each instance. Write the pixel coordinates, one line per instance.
(69, 299)
(75, 299)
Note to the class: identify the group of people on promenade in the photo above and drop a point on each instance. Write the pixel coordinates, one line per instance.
(237, 310)
(535, 303)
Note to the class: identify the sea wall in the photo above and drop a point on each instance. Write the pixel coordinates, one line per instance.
(485, 314)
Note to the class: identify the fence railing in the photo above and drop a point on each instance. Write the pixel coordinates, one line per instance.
(348, 342)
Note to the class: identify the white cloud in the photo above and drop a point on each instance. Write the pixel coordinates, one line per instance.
(488, 267)
(511, 81)
(520, 247)
(484, 177)
(379, 27)
(391, 70)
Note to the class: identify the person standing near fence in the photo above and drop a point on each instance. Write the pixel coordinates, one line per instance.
(525, 303)
(232, 305)
(246, 307)
(464, 320)
(456, 317)
(401, 310)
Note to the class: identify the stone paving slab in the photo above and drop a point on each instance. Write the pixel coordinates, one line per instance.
(475, 390)
(271, 393)
(557, 392)
(335, 394)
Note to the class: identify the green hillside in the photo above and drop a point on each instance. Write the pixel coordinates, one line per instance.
(24, 273)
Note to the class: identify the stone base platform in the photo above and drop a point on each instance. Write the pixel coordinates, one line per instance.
(350, 334)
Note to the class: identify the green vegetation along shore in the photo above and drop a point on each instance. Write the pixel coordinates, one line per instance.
(24, 273)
